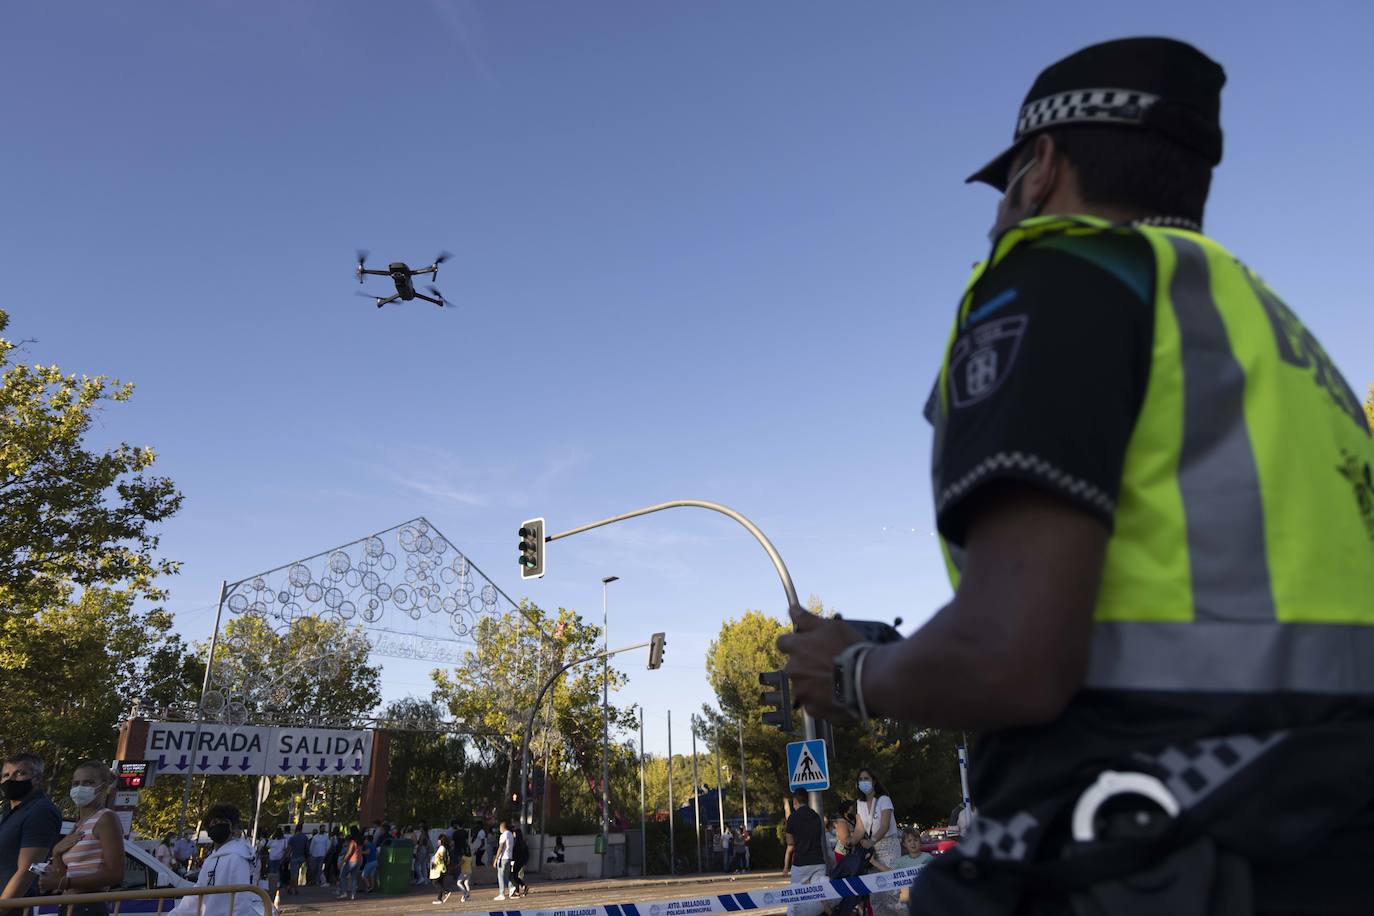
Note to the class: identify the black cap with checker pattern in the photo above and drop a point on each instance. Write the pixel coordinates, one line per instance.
(1149, 83)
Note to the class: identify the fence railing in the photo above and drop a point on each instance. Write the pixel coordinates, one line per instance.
(65, 902)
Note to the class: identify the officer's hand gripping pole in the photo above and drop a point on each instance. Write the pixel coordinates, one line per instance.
(808, 723)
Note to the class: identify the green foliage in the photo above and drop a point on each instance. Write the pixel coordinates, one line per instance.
(1369, 408)
(426, 779)
(493, 689)
(69, 515)
(251, 653)
(72, 672)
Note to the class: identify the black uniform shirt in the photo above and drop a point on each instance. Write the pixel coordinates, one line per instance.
(1047, 376)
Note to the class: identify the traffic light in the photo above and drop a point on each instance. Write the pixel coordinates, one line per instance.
(656, 643)
(779, 697)
(532, 549)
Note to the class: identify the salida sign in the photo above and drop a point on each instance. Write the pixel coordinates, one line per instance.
(250, 750)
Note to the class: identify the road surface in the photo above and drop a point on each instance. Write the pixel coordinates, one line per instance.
(543, 895)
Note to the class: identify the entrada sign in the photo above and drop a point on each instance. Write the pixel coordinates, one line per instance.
(258, 750)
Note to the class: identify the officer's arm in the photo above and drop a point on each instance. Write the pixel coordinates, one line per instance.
(1012, 647)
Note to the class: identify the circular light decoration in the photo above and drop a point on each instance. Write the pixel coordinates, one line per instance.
(339, 562)
(346, 610)
(374, 547)
(214, 703)
(238, 603)
(333, 598)
(299, 575)
(489, 595)
(314, 592)
(387, 561)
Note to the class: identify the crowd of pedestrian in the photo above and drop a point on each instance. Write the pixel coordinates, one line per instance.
(862, 837)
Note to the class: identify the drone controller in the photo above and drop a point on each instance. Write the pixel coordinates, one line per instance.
(875, 630)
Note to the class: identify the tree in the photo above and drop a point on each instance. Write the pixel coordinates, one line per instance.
(72, 672)
(494, 686)
(428, 769)
(70, 515)
(315, 672)
(1369, 408)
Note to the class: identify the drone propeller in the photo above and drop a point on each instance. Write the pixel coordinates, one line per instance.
(369, 296)
(433, 291)
(362, 259)
(441, 257)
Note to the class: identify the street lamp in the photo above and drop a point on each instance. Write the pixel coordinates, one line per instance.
(605, 723)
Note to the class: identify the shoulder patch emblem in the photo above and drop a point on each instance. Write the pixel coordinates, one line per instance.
(983, 357)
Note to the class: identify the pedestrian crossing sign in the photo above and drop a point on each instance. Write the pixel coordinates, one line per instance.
(807, 765)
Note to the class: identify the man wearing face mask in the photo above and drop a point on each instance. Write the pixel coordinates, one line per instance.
(29, 824)
(1152, 489)
(231, 861)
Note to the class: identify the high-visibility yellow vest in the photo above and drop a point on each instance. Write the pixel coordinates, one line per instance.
(1242, 557)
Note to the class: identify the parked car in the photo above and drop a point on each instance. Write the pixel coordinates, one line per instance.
(939, 840)
(141, 872)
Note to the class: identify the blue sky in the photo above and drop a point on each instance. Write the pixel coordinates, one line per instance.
(704, 250)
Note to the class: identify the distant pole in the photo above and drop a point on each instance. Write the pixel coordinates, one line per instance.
(720, 804)
(743, 782)
(200, 707)
(672, 811)
(643, 817)
(696, 793)
(605, 725)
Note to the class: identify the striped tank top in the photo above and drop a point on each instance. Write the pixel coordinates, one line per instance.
(84, 856)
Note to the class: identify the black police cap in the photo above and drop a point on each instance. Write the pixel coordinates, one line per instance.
(1151, 83)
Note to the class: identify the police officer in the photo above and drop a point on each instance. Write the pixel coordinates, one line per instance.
(1153, 491)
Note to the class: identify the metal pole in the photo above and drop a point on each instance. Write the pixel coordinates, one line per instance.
(720, 804)
(605, 726)
(200, 706)
(817, 799)
(643, 816)
(696, 792)
(963, 774)
(544, 804)
(743, 781)
(672, 811)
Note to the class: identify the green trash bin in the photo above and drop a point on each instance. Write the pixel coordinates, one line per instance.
(393, 866)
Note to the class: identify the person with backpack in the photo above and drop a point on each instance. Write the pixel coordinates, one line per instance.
(519, 859)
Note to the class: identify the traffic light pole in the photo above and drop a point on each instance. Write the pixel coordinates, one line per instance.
(808, 723)
(534, 711)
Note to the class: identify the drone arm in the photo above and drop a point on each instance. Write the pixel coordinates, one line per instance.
(377, 273)
(437, 302)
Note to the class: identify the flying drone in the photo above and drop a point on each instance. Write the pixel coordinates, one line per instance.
(403, 276)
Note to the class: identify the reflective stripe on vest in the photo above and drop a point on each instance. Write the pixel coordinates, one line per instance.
(1240, 559)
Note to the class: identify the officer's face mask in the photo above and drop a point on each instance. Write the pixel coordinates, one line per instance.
(1005, 218)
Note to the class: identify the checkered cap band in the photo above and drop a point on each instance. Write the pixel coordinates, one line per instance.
(1085, 106)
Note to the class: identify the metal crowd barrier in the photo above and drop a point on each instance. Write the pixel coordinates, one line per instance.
(65, 902)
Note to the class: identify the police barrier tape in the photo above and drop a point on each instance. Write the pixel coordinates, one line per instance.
(772, 898)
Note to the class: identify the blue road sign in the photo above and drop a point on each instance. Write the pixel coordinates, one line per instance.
(807, 765)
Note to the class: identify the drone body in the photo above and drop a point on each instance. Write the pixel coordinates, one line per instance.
(403, 276)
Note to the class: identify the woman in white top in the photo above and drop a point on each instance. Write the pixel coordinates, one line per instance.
(877, 830)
